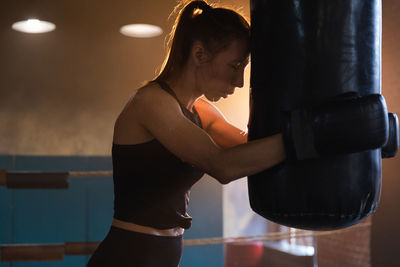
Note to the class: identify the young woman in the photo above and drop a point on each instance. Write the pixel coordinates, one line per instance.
(167, 137)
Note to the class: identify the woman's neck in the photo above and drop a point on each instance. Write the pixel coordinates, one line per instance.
(185, 89)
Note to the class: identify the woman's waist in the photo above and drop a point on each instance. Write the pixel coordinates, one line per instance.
(176, 231)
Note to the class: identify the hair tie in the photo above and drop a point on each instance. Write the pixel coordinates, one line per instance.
(201, 8)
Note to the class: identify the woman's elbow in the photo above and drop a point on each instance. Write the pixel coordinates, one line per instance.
(222, 175)
(223, 180)
(216, 166)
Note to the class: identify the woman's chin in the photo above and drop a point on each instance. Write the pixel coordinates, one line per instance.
(213, 98)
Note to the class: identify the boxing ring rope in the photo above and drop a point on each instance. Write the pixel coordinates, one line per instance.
(54, 252)
(276, 236)
(90, 173)
(44, 180)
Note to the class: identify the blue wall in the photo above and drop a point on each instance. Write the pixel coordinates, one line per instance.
(83, 212)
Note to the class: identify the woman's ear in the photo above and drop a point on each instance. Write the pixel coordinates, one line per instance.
(199, 53)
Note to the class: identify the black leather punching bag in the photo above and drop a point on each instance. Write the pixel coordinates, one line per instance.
(304, 53)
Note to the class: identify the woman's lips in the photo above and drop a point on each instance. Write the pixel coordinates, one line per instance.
(225, 94)
(229, 93)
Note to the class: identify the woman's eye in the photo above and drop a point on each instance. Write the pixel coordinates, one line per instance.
(235, 66)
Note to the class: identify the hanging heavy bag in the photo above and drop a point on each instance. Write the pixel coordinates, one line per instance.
(316, 77)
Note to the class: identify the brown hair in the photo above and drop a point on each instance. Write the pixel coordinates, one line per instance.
(216, 28)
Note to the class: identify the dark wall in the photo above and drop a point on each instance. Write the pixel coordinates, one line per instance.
(60, 92)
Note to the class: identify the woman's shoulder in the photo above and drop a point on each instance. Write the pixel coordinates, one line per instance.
(150, 98)
(142, 94)
(149, 92)
(129, 127)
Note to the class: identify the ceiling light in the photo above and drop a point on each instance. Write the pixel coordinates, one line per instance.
(33, 26)
(141, 30)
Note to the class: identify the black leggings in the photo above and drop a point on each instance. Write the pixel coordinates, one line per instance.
(122, 248)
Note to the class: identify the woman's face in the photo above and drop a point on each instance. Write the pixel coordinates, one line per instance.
(224, 72)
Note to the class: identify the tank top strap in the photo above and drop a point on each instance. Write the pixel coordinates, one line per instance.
(168, 89)
(192, 116)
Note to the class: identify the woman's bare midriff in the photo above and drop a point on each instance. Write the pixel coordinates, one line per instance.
(177, 231)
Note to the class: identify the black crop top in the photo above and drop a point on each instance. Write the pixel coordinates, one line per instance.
(152, 185)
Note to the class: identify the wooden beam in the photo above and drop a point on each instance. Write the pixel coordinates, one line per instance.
(3, 177)
(80, 248)
(37, 180)
(44, 180)
(31, 252)
(45, 252)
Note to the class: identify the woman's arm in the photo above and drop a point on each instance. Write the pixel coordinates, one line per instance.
(214, 123)
(161, 115)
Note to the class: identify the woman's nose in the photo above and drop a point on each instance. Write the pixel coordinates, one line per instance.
(239, 79)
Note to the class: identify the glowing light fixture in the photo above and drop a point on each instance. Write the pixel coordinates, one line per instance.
(33, 26)
(141, 30)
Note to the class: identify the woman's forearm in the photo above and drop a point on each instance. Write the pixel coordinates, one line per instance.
(249, 158)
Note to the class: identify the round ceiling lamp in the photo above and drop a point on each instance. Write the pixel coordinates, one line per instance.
(33, 26)
(141, 30)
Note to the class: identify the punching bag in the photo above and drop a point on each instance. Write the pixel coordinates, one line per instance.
(315, 54)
